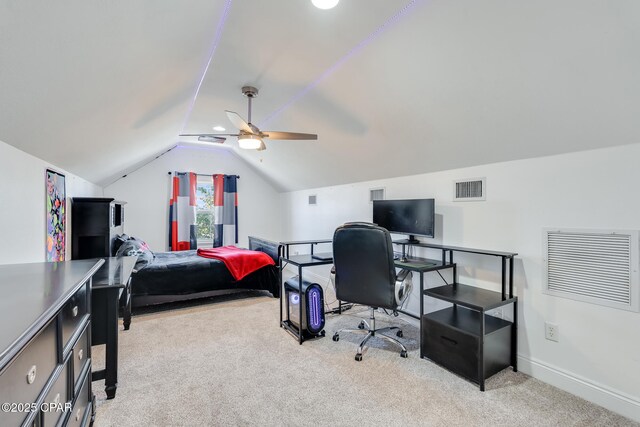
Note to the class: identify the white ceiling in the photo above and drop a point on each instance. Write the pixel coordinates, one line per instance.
(392, 87)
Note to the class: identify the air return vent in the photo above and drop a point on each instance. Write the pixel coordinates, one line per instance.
(313, 199)
(599, 266)
(469, 190)
(376, 194)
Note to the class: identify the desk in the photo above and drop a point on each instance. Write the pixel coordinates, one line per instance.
(311, 244)
(110, 283)
(419, 265)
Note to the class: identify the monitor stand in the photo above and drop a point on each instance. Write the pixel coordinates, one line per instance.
(412, 240)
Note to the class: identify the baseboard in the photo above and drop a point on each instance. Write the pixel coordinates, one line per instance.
(599, 394)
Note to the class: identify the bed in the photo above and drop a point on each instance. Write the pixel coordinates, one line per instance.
(176, 276)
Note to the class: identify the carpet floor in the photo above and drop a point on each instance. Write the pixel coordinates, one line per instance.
(228, 363)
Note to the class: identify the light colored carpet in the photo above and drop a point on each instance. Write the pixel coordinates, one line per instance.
(229, 363)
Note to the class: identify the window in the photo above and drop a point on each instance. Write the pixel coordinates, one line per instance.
(204, 210)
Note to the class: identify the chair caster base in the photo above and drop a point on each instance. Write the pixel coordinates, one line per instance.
(361, 325)
(404, 354)
(399, 334)
(359, 357)
(336, 337)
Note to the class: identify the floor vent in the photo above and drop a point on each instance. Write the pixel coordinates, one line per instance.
(600, 266)
(376, 194)
(313, 199)
(469, 190)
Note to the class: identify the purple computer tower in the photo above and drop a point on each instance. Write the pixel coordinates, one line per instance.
(312, 306)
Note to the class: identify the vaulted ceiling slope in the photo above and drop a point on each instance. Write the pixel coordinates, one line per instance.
(392, 87)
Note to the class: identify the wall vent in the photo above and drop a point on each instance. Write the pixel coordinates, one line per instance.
(597, 266)
(313, 199)
(470, 190)
(376, 194)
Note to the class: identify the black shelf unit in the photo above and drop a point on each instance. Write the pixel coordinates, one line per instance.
(95, 223)
(469, 296)
(463, 338)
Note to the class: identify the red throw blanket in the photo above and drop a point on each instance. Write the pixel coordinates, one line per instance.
(240, 262)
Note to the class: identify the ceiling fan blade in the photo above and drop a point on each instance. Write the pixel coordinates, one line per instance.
(214, 139)
(209, 134)
(288, 135)
(238, 121)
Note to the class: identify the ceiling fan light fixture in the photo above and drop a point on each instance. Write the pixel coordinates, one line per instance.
(250, 142)
(325, 4)
(219, 128)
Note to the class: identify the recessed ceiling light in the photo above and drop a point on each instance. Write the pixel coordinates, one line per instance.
(219, 129)
(325, 4)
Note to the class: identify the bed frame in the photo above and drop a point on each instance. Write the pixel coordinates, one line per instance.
(273, 249)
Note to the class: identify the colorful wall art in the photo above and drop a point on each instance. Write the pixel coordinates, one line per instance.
(56, 216)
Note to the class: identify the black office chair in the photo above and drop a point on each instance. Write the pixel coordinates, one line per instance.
(365, 274)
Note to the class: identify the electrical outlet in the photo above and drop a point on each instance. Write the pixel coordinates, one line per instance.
(551, 332)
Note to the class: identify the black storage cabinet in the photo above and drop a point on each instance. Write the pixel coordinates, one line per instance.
(453, 338)
(95, 223)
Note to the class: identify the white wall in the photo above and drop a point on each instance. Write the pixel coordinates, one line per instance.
(598, 356)
(23, 211)
(147, 193)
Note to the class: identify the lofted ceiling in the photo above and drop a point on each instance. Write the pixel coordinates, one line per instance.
(392, 87)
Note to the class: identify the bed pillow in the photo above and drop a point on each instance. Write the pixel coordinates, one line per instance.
(138, 248)
(118, 241)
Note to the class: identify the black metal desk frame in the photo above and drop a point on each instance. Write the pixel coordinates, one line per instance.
(418, 265)
(491, 299)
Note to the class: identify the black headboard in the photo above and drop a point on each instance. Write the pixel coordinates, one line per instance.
(270, 248)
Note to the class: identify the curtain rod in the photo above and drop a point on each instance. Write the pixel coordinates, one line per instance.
(205, 174)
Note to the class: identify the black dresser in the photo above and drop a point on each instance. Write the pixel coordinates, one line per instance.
(45, 343)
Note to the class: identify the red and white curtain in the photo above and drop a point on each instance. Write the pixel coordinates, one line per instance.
(182, 212)
(225, 202)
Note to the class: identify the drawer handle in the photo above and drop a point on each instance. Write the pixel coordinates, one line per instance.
(31, 375)
(74, 311)
(56, 401)
(448, 340)
(80, 354)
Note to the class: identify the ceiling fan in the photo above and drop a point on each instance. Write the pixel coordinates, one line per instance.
(249, 136)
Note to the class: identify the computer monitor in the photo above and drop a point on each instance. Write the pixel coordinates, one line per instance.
(412, 217)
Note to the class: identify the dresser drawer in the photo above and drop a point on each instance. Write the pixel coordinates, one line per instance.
(59, 395)
(73, 313)
(79, 356)
(23, 380)
(79, 415)
(451, 348)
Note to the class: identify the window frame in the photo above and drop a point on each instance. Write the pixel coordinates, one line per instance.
(205, 179)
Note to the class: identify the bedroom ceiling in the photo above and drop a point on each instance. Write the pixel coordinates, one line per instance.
(392, 88)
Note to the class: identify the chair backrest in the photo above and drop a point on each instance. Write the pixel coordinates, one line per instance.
(363, 260)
